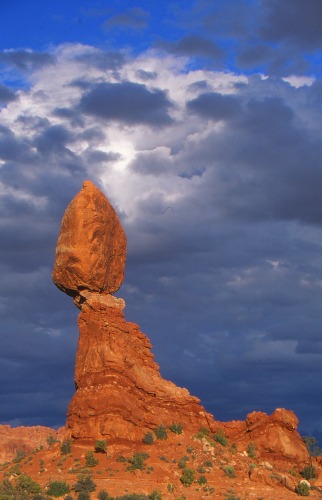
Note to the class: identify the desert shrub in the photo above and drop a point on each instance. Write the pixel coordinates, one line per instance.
(161, 432)
(176, 428)
(84, 484)
(208, 463)
(187, 477)
(103, 495)
(202, 480)
(203, 432)
(83, 495)
(137, 461)
(19, 456)
(155, 495)
(230, 495)
(101, 446)
(312, 445)
(51, 440)
(57, 488)
(66, 447)
(90, 460)
(220, 438)
(302, 489)
(308, 472)
(183, 462)
(26, 486)
(229, 470)
(171, 487)
(148, 438)
(251, 450)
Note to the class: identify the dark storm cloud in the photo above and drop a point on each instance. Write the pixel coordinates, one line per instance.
(127, 102)
(53, 138)
(13, 147)
(26, 60)
(152, 163)
(134, 18)
(293, 21)
(102, 60)
(6, 94)
(215, 106)
(193, 45)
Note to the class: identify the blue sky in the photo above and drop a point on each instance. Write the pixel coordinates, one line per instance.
(201, 122)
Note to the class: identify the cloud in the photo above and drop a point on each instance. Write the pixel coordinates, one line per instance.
(26, 60)
(193, 46)
(127, 102)
(215, 106)
(6, 94)
(293, 21)
(134, 18)
(216, 178)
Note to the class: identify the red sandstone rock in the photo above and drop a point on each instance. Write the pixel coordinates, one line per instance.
(275, 436)
(91, 247)
(120, 393)
(23, 439)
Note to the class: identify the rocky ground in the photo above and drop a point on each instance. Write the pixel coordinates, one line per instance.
(218, 468)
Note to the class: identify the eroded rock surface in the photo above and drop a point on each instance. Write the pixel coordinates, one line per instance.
(91, 247)
(120, 392)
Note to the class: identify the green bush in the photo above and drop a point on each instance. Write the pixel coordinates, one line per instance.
(202, 480)
(51, 440)
(230, 471)
(183, 462)
(137, 461)
(148, 438)
(26, 486)
(220, 438)
(83, 495)
(84, 484)
(188, 476)
(90, 460)
(103, 495)
(58, 488)
(161, 432)
(308, 472)
(208, 463)
(66, 447)
(251, 450)
(176, 428)
(101, 446)
(302, 489)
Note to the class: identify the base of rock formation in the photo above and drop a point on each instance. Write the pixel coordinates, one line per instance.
(120, 393)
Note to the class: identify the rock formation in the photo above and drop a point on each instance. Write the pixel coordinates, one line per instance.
(24, 439)
(91, 248)
(119, 390)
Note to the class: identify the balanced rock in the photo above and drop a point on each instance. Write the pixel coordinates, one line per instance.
(91, 248)
(119, 390)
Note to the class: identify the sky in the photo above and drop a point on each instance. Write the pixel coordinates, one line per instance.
(201, 122)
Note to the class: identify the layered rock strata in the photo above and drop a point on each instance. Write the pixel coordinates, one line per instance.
(119, 390)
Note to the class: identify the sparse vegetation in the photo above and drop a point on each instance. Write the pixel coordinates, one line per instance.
(308, 472)
(90, 460)
(251, 450)
(137, 461)
(302, 489)
(66, 447)
(176, 428)
(187, 477)
(57, 489)
(182, 463)
(220, 438)
(229, 470)
(51, 440)
(161, 432)
(101, 446)
(202, 480)
(84, 484)
(148, 438)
